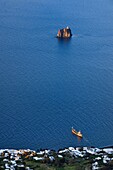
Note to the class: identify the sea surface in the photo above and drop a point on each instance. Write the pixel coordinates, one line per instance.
(49, 85)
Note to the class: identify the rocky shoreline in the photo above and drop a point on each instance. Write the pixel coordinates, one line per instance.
(74, 158)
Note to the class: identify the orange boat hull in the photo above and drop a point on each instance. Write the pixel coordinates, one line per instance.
(76, 133)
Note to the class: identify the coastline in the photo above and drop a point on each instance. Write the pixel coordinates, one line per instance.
(83, 157)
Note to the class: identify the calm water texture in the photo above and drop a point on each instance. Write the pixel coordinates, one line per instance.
(46, 85)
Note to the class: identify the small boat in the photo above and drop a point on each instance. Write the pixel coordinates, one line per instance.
(79, 134)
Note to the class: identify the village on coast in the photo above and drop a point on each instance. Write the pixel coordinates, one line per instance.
(76, 158)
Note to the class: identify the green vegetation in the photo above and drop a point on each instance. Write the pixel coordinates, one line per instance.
(65, 163)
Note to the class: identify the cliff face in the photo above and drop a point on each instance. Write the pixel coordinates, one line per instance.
(64, 33)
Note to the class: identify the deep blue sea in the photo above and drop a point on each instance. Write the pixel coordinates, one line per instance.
(49, 85)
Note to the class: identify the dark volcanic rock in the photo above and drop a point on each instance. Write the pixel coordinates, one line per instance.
(64, 33)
